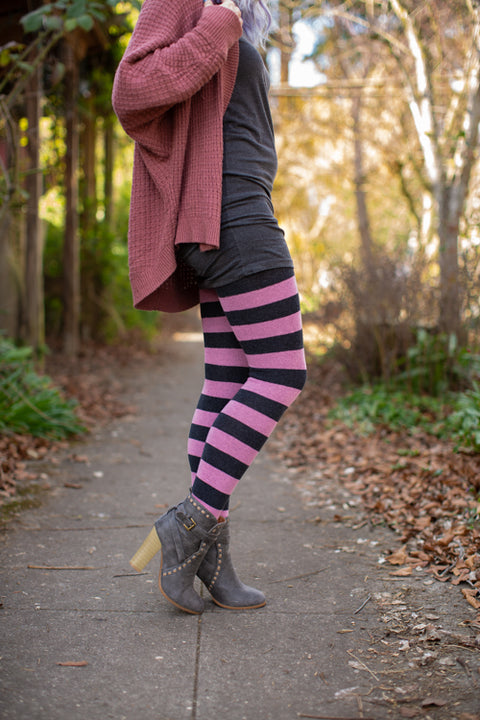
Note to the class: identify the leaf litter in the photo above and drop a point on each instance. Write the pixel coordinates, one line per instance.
(426, 493)
(93, 380)
(413, 483)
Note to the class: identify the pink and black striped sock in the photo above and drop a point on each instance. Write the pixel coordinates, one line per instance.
(254, 369)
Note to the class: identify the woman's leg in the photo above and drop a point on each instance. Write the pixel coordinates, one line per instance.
(222, 382)
(255, 368)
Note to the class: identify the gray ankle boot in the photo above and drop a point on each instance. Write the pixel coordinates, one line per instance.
(217, 573)
(184, 535)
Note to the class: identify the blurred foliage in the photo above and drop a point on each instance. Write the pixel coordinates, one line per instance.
(455, 417)
(370, 314)
(420, 396)
(372, 277)
(29, 403)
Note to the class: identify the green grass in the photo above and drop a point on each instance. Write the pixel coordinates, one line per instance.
(454, 417)
(29, 403)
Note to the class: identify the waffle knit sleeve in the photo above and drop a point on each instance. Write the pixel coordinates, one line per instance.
(176, 48)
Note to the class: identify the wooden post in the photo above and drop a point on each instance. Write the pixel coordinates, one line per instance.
(71, 247)
(286, 45)
(9, 291)
(34, 330)
(88, 141)
(88, 218)
(108, 169)
(286, 41)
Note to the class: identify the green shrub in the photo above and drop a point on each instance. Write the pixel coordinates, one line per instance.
(28, 402)
(107, 312)
(437, 391)
(456, 417)
(436, 364)
(463, 424)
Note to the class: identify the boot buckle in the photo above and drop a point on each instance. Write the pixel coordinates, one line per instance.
(191, 526)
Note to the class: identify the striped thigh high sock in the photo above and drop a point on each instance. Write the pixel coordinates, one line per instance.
(254, 369)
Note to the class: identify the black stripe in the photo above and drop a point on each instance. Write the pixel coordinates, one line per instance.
(221, 340)
(209, 495)
(280, 376)
(270, 311)
(257, 281)
(198, 432)
(242, 432)
(211, 404)
(211, 309)
(277, 343)
(270, 408)
(226, 373)
(223, 461)
(194, 462)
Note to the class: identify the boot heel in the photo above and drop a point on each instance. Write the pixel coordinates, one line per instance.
(147, 550)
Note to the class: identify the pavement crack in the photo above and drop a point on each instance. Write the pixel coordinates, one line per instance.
(196, 670)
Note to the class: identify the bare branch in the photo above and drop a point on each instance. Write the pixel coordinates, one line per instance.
(466, 151)
(421, 98)
(21, 84)
(367, 24)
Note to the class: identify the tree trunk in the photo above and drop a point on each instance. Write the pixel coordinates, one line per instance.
(108, 141)
(286, 45)
(71, 249)
(90, 250)
(89, 185)
(286, 41)
(9, 294)
(448, 228)
(449, 176)
(366, 243)
(34, 330)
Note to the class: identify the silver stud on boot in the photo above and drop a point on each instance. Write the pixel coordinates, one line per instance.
(184, 535)
(217, 573)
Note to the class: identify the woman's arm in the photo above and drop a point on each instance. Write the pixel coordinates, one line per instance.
(156, 72)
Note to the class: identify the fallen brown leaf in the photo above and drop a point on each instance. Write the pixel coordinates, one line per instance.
(399, 557)
(433, 702)
(402, 572)
(470, 596)
(414, 483)
(407, 712)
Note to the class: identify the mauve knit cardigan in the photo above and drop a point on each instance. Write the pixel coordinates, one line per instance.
(170, 93)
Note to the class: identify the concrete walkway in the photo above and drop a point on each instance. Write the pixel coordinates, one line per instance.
(70, 596)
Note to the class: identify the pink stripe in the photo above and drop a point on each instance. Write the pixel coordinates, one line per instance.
(254, 419)
(216, 324)
(280, 393)
(226, 356)
(215, 511)
(204, 418)
(230, 445)
(288, 359)
(216, 478)
(195, 447)
(264, 296)
(270, 328)
(218, 389)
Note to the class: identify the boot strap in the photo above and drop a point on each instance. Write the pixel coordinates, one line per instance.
(189, 523)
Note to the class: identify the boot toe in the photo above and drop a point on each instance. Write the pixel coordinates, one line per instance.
(246, 598)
